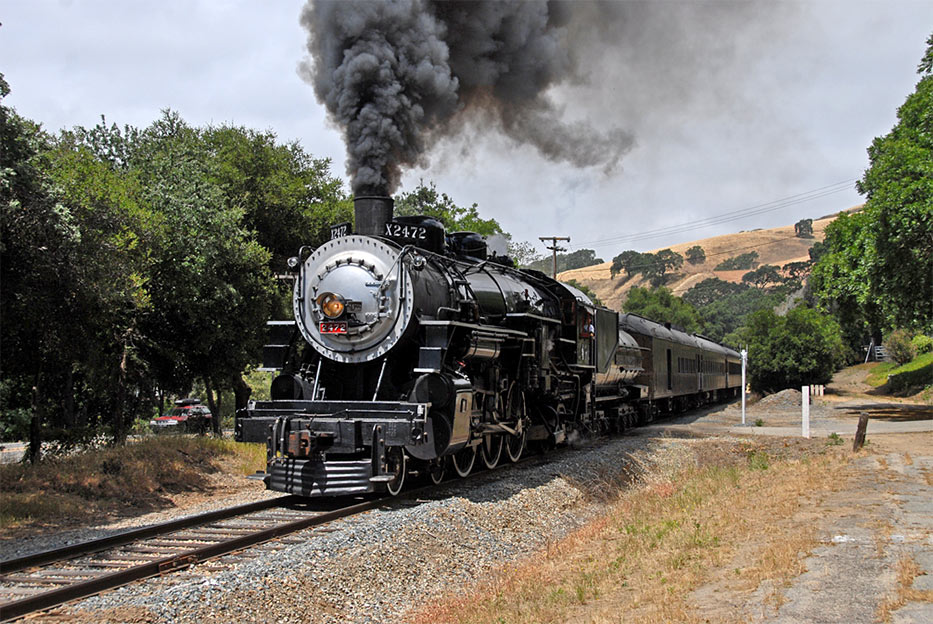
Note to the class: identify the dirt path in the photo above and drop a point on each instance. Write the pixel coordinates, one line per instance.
(873, 556)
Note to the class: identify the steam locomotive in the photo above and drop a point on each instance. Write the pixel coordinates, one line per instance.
(413, 351)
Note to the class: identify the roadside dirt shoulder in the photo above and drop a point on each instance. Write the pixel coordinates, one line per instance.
(872, 555)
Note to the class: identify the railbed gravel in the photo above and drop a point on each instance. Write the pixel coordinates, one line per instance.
(376, 566)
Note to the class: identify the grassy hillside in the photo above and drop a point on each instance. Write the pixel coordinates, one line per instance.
(776, 246)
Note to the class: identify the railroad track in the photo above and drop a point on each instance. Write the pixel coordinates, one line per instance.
(48, 579)
(51, 578)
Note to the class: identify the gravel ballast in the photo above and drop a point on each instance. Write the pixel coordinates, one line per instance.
(377, 566)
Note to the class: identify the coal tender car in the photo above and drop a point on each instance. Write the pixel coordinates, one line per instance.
(414, 351)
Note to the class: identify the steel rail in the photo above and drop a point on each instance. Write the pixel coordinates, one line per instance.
(48, 599)
(55, 597)
(125, 537)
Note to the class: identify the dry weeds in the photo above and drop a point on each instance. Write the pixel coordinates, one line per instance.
(144, 475)
(907, 571)
(660, 541)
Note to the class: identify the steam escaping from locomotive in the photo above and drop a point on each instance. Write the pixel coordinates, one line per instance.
(397, 76)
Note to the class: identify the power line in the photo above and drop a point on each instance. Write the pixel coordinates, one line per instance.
(729, 216)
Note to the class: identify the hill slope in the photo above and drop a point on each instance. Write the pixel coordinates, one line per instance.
(776, 246)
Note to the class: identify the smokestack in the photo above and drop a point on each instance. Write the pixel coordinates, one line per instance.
(371, 213)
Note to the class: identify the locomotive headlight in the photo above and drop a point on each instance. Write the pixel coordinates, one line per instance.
(331, 305)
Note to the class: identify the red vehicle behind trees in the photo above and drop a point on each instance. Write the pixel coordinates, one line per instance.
(188, 415)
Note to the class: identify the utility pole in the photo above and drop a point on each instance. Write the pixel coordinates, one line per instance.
(554, 248)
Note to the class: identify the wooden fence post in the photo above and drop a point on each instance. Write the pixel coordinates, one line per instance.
(860, 432)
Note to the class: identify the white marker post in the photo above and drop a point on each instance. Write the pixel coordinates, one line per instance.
(744, 362)
(805, 406)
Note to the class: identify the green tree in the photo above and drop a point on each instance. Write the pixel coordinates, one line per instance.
(37, 246)
(725, 315)
(898, 186)
(710, 290)
(745, 261)
(795, 272)
(524, 254)
(567, 262)
(818, 250)
(724, 305)
(110, 274)
(630, 261)
(662, 306)
(804, 347)
(841, 279)
(655, 267)
(696, 255)
(288, 198)
(761, 277)
(425, 200)
(135, 262)
(804, 228)
(210, 284)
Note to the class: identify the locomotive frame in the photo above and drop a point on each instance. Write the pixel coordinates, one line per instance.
(414, 350)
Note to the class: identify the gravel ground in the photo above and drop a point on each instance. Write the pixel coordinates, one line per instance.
(374, 567)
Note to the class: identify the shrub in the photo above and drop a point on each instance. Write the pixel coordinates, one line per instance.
(899, 347)
(922, 343)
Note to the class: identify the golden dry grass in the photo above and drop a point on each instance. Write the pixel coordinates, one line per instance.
(658, 543)
(907, 571)
(140, 475)
(776, 246)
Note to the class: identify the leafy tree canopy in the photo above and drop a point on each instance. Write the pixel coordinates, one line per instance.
(877, 271)
(566, 262)
(804, 347)
(743, 261)
(662, 306)
(710, 290)
(655, 267)
(724, 305)
(425, 200)
(763, 276)
(696, 255)
(630, 261)
(523, 253)
(150, 254)
(804, 228)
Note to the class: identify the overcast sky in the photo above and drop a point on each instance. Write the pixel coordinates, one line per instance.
(727, 115)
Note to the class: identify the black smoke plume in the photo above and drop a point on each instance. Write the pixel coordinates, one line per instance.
(398, 75)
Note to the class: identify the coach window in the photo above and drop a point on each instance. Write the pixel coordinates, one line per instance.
(670, 373)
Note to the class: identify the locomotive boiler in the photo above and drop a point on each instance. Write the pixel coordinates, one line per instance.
(413, 350)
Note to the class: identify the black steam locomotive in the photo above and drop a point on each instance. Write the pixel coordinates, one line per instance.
(413, 350)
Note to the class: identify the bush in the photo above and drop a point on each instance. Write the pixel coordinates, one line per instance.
(922, 344)
(899, 347)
